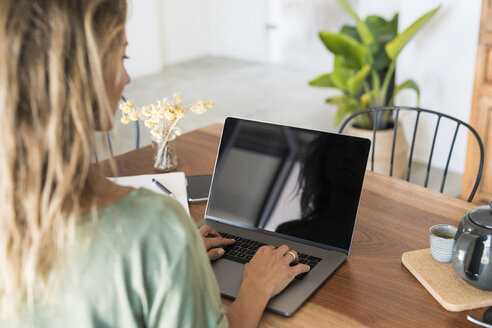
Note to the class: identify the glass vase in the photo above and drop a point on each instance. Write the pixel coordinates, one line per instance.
(165, 155)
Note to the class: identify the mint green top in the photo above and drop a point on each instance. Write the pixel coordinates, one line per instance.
(143, 265)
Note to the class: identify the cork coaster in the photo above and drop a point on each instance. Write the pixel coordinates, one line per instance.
(452, 292)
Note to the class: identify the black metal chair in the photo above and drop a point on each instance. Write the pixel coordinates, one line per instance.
(374, 115)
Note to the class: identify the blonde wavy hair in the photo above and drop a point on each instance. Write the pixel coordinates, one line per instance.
(52, 99)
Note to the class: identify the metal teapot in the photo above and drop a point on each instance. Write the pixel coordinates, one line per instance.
(472, 249)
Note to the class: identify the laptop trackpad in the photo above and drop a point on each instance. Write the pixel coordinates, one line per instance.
(229, 276)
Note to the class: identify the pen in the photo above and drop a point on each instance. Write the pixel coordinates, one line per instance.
(163, 188)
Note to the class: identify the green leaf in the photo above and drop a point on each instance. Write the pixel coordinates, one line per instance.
(350, 31)
(375, 25)
(341, 113)
(341, 73)
(367, 99)
(394, 47)
(355, 54)
(346, 106)
(381, 61)
(393, 27)
(323, 81)
(364, 32)
(383, 31)
(408, 84)
(354, 83)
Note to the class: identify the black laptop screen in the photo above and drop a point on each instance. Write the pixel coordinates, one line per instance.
(301, 183)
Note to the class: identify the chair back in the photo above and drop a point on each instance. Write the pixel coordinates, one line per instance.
(375, 115)
(137, 138)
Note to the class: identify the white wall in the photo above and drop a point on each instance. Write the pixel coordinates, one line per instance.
(163, 32)
(143, 31)
(238, 28)
(293, 37)
(441, 59)
(185, 29)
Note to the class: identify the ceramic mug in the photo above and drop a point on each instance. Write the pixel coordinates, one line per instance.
(442, 241)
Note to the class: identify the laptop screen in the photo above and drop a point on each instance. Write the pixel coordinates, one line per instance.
(300, 183)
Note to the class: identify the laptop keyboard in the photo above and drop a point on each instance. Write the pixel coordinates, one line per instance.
(243, 250)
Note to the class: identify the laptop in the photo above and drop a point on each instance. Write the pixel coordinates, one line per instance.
(276, 184)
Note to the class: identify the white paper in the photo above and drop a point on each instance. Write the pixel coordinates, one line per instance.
(174, 181)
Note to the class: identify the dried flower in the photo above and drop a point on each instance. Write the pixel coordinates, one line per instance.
(162, 118)
(127, 107)
(178, 97)
(125, 119)
(148, 123)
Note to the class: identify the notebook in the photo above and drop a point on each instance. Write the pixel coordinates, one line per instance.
(276, 184)
(174, 181)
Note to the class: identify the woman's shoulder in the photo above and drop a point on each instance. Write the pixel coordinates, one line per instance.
(146, 201)
(142, 228)
(142, 219)
(147, 212)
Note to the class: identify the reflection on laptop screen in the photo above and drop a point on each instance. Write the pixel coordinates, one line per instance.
(301, 183)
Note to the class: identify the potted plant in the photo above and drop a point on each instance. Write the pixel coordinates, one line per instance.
(364, 64)
(364, 70)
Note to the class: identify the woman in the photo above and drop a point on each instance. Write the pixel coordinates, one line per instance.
(75, 249)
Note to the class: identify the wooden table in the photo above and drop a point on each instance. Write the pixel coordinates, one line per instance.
(372, 288)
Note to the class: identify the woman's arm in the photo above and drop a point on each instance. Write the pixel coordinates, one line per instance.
(248, 307)
(266, 275)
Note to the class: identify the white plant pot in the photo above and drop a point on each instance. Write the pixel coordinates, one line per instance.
(382, 153)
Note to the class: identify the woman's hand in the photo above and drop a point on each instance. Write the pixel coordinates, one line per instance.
(266, 275)
(270, 269)
(213, 241)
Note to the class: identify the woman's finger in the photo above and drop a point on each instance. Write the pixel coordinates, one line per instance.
(203, 230)
(228, 241)
(267, 247)
(216, 242)
(282, 249)
(299, 268)
(213, 232)
(208, 231)
(215, 253)
(291, 257)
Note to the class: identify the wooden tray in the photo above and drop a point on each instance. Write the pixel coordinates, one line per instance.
(452, 292)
